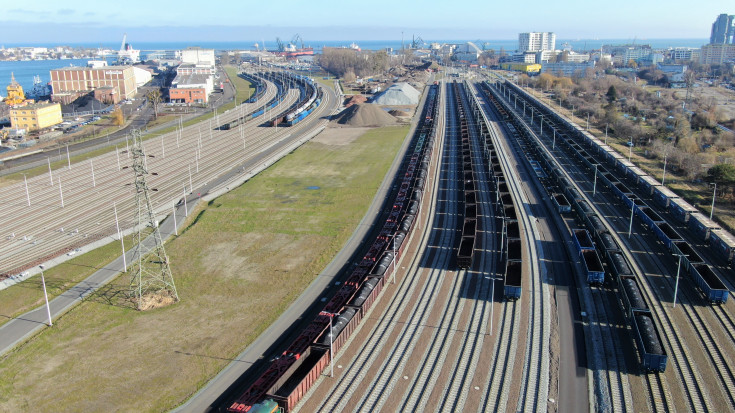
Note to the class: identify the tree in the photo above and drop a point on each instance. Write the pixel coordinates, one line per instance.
(118, 118)
(612, 94)
(154, 96)
(545, 81)
(723, 175)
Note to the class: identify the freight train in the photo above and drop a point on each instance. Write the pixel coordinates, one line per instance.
(280, 79)
(589, 150)
(466, 249)
(511, 244)
(310, 96)
(652, 354)
(288, 377)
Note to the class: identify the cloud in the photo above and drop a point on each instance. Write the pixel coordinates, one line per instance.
(65, 11)
(23, 11)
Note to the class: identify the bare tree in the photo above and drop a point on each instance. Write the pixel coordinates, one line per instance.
(154, 96)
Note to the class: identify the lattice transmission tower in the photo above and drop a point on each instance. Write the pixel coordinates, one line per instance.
(151, 280)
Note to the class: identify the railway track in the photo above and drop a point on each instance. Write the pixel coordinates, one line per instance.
(187, 157)
(535, 381)
(422, 280)
(659, 393)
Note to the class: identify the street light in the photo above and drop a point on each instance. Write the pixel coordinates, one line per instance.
(676, 286)
(630, 228)
(630, 148)
(714, 194)
(663, 179)
(594, 185)
(331, 340)
(45, 296)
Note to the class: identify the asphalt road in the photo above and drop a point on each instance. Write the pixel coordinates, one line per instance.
(22, 327)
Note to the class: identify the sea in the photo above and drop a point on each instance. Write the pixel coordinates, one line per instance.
(25, 71)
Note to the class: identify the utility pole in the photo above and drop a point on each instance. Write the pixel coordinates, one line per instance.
(151, 277)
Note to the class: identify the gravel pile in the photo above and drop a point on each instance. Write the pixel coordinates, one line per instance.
(399, 113)
(365, 114)
(355, 100)
(398, 94)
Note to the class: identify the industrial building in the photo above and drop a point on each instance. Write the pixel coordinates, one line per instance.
(527, 68)
(192, 88)
(467, 52)
(197, 56)
(194, 77)
(35, 116)
(69, 83)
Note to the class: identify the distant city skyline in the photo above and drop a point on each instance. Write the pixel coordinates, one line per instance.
(75, 21)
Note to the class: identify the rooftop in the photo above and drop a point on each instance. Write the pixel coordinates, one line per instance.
(95, 68)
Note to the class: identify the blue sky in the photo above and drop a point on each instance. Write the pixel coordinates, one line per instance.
(80, 20)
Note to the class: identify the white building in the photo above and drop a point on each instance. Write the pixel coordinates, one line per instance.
(536, 41)
(468, 52)
(685, 54)
(142, 76)
(197, 56)
(567, 69)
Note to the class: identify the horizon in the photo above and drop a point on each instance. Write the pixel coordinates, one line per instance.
(74, 22)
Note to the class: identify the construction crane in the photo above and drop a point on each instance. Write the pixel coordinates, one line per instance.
(297, 38)
(122, 46)
(417, 42)
(280, 44)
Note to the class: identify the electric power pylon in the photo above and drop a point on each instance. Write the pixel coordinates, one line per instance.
(150, 272)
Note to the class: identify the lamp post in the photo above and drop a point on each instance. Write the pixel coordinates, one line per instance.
(676, 285)
(28, 196)
(663, 179)
(630, 148)
(714, 195)
(331, 340)
(630, 228)
(594, 185)
(45, 296)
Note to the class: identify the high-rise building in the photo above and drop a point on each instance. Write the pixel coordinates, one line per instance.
(536, 41)
(722, 30)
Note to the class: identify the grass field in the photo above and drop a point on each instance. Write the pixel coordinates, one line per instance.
(247, 256)
(244, 88)
(25, 296)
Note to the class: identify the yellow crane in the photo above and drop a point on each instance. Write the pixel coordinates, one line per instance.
(15, 92)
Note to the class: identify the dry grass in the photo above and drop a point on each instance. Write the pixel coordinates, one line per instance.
(23, 297)
(248, 255)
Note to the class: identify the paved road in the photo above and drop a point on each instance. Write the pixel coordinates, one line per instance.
(19, 329)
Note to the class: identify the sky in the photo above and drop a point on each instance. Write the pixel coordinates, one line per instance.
(74, 21)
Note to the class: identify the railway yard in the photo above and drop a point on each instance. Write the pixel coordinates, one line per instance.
(516, 262)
